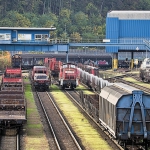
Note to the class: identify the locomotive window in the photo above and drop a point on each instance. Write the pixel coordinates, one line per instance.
(147, 63)
(72, 66)
(40, 71)
(41, 77)
(64, 66)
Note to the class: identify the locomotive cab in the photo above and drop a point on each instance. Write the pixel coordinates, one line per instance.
(68, 76)
(40, 77)
(145, 70)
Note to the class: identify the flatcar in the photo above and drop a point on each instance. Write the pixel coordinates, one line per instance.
(123, 111)
(12, 100)
(68, 76)
(40, 78)
(144, 72)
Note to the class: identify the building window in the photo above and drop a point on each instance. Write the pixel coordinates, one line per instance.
(41, 37)
(24, 37)
(2, 37)
(5, 36)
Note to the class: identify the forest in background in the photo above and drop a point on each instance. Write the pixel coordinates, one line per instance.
(72, 18)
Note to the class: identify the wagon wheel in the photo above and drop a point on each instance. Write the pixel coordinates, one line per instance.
(125, 146)
(146, 145)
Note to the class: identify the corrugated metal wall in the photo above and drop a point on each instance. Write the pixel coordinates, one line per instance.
(112, 32)
(135, 30)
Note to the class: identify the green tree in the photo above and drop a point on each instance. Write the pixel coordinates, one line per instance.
(81, 21)
(75, 37)
(64, 22)
(14, 19)
(91, 9)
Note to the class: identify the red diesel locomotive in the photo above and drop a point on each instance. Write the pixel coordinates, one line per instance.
(40, 78)
(68, 76)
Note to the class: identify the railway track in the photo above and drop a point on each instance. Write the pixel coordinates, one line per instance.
(74, 96)
(58, 130)
(63, 136)
(102, 131)
(113, 79)
(143, 88)
(10, 142)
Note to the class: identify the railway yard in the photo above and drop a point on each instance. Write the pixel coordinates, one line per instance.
(70, 114)
(77, 123)
(77, 120)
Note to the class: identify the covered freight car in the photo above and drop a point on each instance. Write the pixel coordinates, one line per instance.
(90, 102)
(124, 112)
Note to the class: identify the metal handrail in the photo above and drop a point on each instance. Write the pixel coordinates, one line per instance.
(74, 40)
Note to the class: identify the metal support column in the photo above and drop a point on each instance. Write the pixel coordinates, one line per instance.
(132, 61)
(115, 61)
(67, 53)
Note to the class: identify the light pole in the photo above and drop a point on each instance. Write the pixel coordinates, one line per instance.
(136, 61)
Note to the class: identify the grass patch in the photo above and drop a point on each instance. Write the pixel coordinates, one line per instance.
(137, 82)
(26, 80)
(84, 89)
(28, 93)
(29, 111)
(80, 87)
(35, 126)
(35, 138)
(89, 136)
(88, 92)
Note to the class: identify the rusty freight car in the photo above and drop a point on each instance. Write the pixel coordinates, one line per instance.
(12, 100)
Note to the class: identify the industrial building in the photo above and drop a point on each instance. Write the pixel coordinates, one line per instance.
(128, 31)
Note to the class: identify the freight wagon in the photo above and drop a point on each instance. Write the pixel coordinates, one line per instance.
(12, 100)
(27, 61)
(123, 111)
(53, 65)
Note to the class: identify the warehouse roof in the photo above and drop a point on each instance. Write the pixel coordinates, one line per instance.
(143, 15)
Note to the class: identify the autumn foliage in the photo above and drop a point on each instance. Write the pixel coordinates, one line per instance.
(5, 59)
